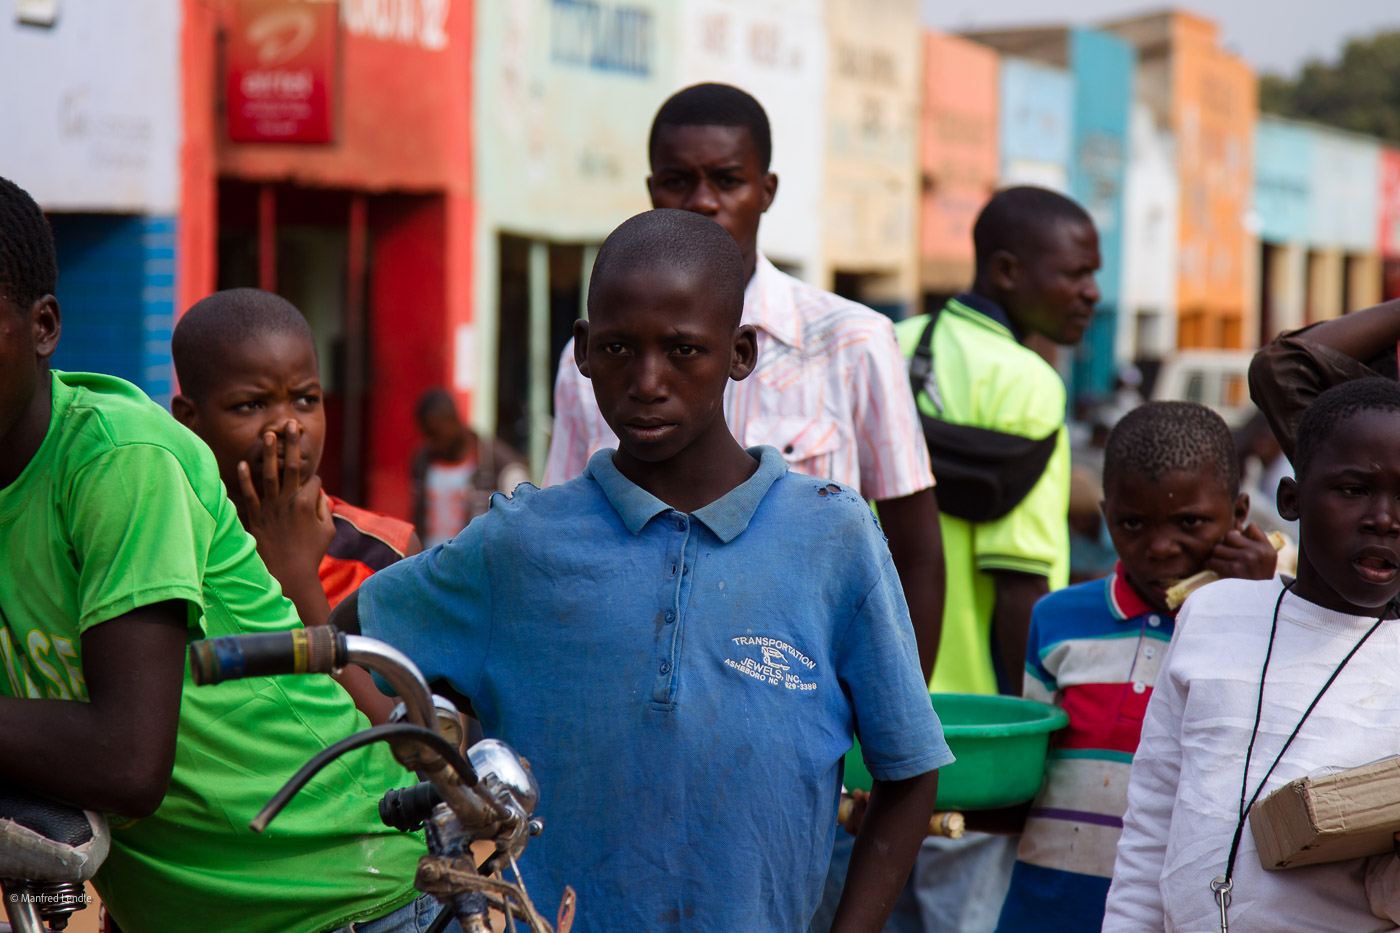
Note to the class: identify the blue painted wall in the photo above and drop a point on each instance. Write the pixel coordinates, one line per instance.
(116, 288)
(1037, 116)
(1103, 67)
(1283, 170)
(1346, 191)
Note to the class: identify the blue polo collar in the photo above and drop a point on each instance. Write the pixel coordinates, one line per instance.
(988, 308)
(727, 517)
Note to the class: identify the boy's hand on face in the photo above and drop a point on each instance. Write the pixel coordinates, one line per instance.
(290, 521)
(1244, 555)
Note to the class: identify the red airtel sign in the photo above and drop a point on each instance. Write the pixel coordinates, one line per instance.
(281, 62)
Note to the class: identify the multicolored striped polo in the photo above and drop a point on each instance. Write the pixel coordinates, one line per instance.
(1094, 650)
(364, 542)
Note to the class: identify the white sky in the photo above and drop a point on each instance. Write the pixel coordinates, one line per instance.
(1272, 35)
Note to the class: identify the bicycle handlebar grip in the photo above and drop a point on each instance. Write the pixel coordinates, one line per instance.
(317, 650)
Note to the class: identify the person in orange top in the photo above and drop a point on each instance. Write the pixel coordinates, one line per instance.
(250, 387)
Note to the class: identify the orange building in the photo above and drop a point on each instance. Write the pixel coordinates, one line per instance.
(958, 156)
(369, 233)
(1208, 98)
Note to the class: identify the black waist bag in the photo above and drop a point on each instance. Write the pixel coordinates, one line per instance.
(982, 474)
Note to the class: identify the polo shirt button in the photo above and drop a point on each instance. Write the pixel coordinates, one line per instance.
(680, 524)
(670, 617)
(1138, 687)
(1149, 651)
(787, 449)
(665, 667)
(1154, 621)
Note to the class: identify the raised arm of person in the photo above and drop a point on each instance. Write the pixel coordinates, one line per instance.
(115, 752)
(916, 545)
(1361, 335)
(1295, 368)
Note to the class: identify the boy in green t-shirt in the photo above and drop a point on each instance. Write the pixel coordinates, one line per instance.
(120, 547)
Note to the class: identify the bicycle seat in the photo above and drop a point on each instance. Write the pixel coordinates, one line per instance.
(41, 840)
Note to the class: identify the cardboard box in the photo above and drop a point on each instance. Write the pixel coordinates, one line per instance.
(1349, 814)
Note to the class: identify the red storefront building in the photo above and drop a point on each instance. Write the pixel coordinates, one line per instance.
(1390, 222)
(327, 156)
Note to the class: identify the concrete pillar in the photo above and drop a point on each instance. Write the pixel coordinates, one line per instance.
(1288, 284)
(1364, 279)
(541, 388)
(1253, 288)
(1324, 285)
(486, 292)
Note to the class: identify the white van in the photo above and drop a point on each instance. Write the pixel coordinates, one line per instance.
(1218, 379)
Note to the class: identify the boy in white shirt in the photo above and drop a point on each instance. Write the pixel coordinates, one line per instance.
(1248, 661)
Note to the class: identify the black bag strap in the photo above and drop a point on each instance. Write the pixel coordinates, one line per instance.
(982, 474)
(921, 364)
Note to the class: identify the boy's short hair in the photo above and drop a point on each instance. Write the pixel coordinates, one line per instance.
(1020, 217)
(716, 105)
(677, 240)
(223, 319)
(1162, 437)
(1339, 404)
(28, 261)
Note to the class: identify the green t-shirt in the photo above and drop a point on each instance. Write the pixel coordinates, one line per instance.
(122, 507)
(987, 379)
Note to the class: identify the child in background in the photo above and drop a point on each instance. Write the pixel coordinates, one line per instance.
(1173, 506)
(250, 387)
(456, 472)
(682, 639)
(1231, 705)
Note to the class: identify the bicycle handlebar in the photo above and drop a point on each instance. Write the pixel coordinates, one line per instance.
(475, 810)
(321, 649)
(318, 650)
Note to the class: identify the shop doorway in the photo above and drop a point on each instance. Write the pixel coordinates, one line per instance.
(310, 246)
(542, 287)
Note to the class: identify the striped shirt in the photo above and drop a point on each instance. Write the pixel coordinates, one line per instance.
(364, 542)
(829, 391)
(1094, 650)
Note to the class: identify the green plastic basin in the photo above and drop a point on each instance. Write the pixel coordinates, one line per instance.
(1000, 743)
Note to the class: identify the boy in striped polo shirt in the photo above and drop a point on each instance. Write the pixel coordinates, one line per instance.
(1173, 506)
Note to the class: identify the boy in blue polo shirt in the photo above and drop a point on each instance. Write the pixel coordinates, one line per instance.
(683, 639)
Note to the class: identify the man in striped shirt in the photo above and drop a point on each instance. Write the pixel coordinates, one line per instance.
(829, 390)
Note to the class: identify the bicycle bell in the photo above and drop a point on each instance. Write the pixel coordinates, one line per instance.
(497, 764)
